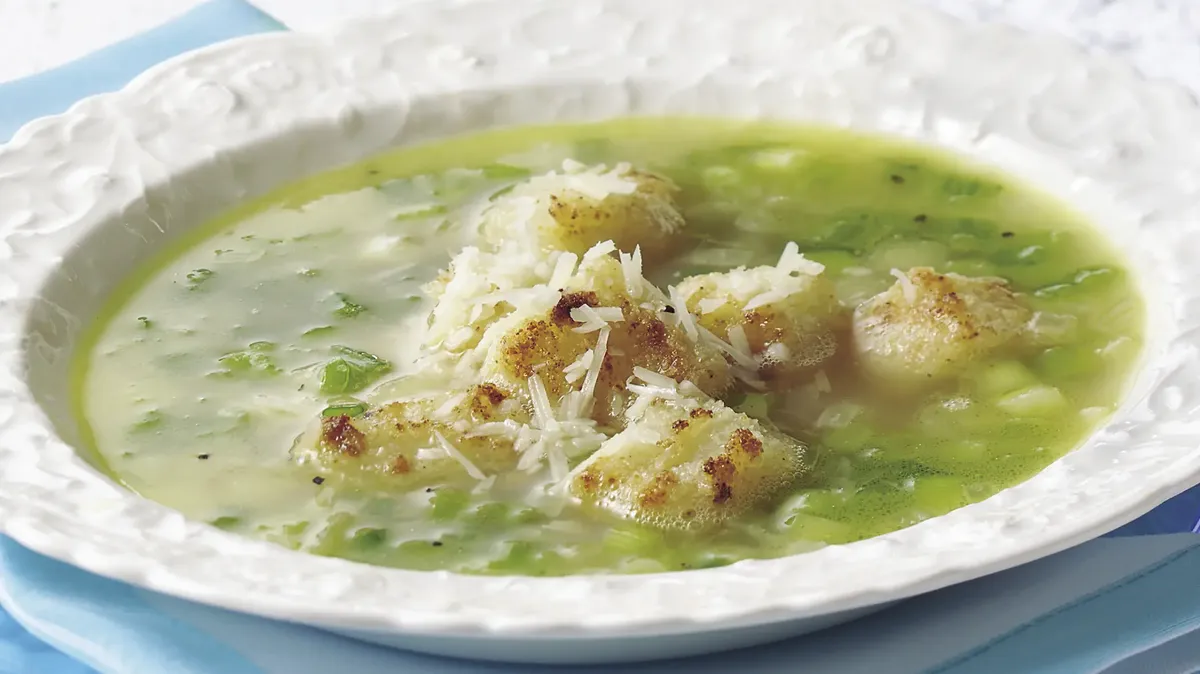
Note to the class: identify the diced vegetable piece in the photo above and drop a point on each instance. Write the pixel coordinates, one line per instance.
(368, 538)
(198, 277)
(347, 308)
(521, 556)
(816, 502)
(226, 522)
(641, 565)
(150, 420)
(999, 378)
(849, 438)
(345, 409)
(954, 416)
(254, 361)
(963, 187)
(1036, 401)
(448, 503)
(935, 495)
(351, 371)
(835, 261)
(487, 517)
(631, 540)
(813, 528)
(907, 254)
(1066, 362)
(971, 267)
(970, 451)
(332, 536)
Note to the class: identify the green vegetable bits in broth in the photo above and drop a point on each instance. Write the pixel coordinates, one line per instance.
(822, 337)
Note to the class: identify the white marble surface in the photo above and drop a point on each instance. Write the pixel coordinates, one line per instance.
(1161, 37)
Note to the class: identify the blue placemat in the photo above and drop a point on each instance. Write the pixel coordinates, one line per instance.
(1117, 606)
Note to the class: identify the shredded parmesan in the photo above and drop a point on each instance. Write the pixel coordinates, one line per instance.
(738, 340)
(563, 268)
(655, 379)
(543, 414)
(711, 304)
(558, 463)
(484, 485)
(593, 373)
(631, 269)
(793, 262)
(493, 428)
(682, 315)
(594, 319)
(906, 286)
(598, 251)
(451, 450)
(447, 408)
(724, 347)
(577, 369)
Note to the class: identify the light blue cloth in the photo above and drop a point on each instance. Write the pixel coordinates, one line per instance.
(110, 68)
(1123, 605)
(1115, 605)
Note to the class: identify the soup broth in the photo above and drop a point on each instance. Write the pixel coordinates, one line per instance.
(201, 383)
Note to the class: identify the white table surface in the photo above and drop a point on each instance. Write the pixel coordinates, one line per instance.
(1161, 37)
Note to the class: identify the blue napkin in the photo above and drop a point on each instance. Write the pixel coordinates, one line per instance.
(1122, 605)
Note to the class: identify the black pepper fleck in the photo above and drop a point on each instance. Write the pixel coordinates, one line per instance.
(669, 309)
(202, 457)
(898, 179)
(1007, 235)
(437, 544)
(318, 480)
(920, 218)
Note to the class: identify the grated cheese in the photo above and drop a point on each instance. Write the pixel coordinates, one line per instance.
(579, 367)
(738, 340)
(683, 317)
(543, 414)
(655, 379)
(458, 456)
(599, 250)
(496, 428)
(594, 319)
(593, 374)
(793, 262)
(710, 304)
(564, 267)
(447, 408)
(906, 286)
(631, 269)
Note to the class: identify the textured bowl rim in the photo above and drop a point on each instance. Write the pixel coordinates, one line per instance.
(1086, 125)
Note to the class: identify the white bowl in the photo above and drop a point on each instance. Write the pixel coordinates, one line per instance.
(86, 195)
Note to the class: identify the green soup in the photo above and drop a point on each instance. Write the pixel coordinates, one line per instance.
(212, 359)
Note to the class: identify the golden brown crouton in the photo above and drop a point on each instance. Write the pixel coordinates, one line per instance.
(580, 206)
(788, 315)
(414, 442)
(929, 325)
(687, 462)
